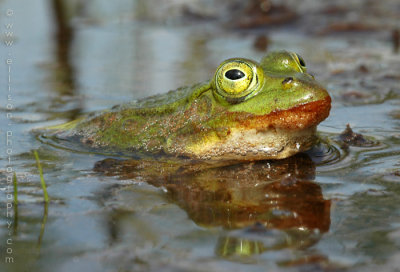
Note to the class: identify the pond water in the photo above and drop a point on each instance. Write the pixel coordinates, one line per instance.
(335, 208)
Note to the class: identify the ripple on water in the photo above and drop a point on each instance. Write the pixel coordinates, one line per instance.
(331, 154)
(327, 154)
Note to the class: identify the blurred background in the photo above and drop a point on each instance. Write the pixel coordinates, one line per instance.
(71, 57)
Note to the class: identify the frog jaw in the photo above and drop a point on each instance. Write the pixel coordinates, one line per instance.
(253, 145)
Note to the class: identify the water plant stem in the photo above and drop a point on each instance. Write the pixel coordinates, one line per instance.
(15, 181)
(46, 196)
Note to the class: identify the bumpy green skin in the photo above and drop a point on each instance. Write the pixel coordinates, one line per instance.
(181, 122)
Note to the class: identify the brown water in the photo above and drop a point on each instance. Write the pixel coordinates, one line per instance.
(335, 208)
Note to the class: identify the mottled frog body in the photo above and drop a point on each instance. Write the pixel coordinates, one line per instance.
(247, 111)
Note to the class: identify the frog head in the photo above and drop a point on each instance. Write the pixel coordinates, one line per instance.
(265, 110)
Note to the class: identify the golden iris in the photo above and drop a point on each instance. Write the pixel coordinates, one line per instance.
(236, 79)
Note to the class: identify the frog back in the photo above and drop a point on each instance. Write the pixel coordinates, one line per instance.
(164, 103)
(141, 125)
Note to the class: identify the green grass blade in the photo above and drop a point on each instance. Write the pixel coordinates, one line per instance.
(46, 196)
(43, 225)
(15, 181)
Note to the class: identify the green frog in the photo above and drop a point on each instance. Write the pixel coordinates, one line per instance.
(248, 111)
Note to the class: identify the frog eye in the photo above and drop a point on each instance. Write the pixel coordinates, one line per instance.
(237, 79)
(300, 61)
(283, 62)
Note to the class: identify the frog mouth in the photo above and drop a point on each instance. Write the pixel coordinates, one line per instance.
(297, 118)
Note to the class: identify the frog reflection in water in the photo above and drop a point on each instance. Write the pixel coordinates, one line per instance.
(264, 205)
(248, 111)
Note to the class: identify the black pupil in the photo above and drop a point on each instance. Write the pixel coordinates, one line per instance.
(234, 74)
(302, 63)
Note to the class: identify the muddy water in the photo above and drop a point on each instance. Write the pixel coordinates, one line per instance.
(334, 208)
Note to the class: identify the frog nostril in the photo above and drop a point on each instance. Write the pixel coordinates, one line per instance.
(287, 80)
(234, 74)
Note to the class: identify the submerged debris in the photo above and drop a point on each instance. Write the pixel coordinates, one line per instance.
(363, 69)
(341, 27)
(263, 12)
(350, 96)
(107, 165)
(395, 114)
(335, 10)
(261, 43)
(350, 138)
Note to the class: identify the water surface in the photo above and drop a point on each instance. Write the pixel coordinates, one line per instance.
(335, 208)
